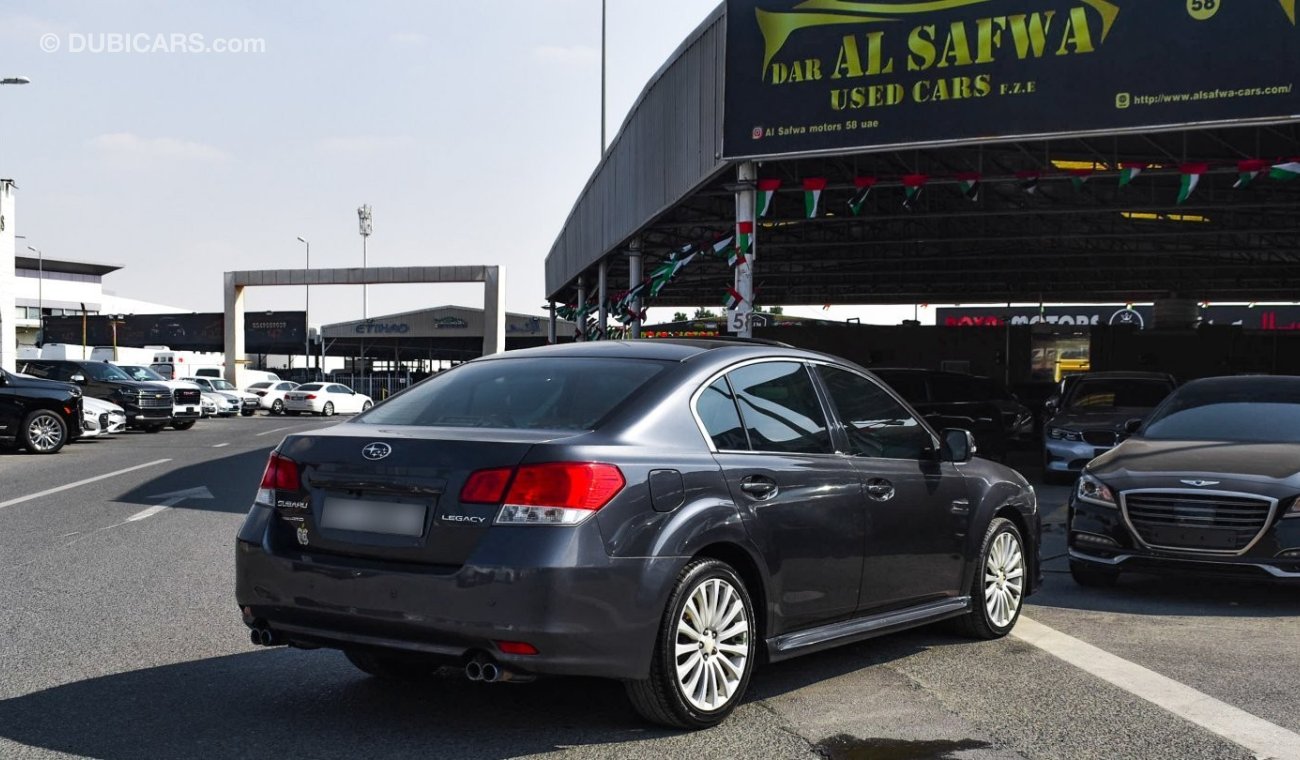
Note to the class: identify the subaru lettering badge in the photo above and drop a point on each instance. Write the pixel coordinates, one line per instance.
(376, 451)
(1200, 483)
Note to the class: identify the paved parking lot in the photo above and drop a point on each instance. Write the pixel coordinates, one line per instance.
(120, 639)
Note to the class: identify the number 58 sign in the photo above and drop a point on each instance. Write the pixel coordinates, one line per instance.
(738, 320)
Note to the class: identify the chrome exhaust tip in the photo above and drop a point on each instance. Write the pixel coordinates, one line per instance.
(474, 670)
(255, 636)
(491, 673)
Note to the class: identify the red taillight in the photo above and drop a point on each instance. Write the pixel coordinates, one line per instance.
(486, 486)
(310, 396)
(516, 647)
(281, 473)
(568, 485)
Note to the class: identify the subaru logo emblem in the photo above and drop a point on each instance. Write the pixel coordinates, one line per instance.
(1200, 483)
(376, 451)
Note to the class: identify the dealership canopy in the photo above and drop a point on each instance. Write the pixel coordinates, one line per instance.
(959, 151)
(452, 333)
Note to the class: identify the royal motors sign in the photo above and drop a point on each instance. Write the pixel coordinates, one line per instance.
(1252, 318)
(837, 75)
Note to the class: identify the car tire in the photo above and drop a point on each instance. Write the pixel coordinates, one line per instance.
(186, 425)
(366, 406)
(1092, 577)
(998, 589)
(390, 667)
(678, 692)
(328, 409)
(43, 432)
(277, 407)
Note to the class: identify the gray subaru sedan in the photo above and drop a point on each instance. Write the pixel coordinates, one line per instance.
(667, 513)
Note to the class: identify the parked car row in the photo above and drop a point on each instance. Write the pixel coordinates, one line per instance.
(50, 402)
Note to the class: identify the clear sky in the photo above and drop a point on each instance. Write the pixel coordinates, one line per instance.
(470, 127)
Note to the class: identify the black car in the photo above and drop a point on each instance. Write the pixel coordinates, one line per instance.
(954, 399)
(667, 513)
(38, 415)
(148, 406)
(1208, 484)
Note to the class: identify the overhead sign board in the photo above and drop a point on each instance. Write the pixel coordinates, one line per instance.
(1283, 317)
(272, 332)
(838, 75)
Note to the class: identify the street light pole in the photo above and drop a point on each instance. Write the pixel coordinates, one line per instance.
(602, 78)
(40, 283)
(306, 333)
(363, 216)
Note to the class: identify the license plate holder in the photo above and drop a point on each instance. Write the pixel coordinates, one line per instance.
(1194, 537)
(382, 516)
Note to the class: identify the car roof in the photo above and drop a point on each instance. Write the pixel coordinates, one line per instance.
(1234, 382)
(1125, 375)
(665, 349)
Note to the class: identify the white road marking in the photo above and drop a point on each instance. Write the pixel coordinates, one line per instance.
(1266, 740)
(80, 483)
(219, 445)
(282, 429)
(150, 512)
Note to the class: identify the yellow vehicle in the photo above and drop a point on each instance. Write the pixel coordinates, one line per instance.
(1071, 367)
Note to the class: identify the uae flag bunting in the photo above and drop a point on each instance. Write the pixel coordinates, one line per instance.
(1286, 171)
(722, 247)
(862, 189)
(734, 299)
(912, 184)
(970, 185)
(1080, 176)
(1248, 170)
(1129, 172)
(1191, 177)
(812, 195)
(1028, 181)
(744, 234)
(766, 192)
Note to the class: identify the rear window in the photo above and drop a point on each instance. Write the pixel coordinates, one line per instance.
(260, 385)
(310, 387)
(1117, 393)
(545, 393)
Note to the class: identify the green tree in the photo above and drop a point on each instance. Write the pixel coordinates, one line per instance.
(703, 313)
(776, 310)
(680, 316)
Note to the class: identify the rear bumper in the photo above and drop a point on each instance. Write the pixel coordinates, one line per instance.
(585, 612)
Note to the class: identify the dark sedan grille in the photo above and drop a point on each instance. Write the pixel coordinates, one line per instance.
(188, 395)
(155, 401)
(1101, 437)
(1214, 523)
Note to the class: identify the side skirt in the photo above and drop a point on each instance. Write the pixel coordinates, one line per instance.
(846, 631)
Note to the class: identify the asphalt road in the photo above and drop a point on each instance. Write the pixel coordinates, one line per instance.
(119, 638)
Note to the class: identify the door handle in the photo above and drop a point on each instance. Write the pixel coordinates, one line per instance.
(758, 487)
(880, 489)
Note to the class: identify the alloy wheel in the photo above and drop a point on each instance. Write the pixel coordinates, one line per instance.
(44, 432)
(712, 647)
(1004, 579)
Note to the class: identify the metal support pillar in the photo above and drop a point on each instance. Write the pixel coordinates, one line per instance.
(494, 310)
(634, 277)
(602, 297)
(234, 329)
(550, 323)
(747, 175)
(579, 318)
(8, 280)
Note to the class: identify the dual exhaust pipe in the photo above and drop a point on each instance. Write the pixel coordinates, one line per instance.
(483, 669)
(265, 637)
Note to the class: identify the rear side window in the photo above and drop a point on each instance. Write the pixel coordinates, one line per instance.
(909, 385)
(717, 409)
(780, 408)
(560, 393)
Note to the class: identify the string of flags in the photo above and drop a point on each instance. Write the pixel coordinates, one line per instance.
(735, 249)
(971, 184)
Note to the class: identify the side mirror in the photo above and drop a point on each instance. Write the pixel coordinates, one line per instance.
(958, 445)
(1052, 405)
(79, 379)
(1133, 425)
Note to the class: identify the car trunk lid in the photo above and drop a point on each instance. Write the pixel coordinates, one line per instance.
(393, 493)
